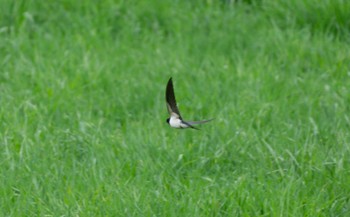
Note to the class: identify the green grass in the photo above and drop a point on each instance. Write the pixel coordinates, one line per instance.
(82, 115)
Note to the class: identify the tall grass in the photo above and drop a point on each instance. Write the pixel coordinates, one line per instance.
(82, 116)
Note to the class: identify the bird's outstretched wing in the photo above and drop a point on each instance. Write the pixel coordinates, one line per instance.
(198, 122)
(189, 125)
(170, 99)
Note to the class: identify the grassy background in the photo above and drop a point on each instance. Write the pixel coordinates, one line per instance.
(82, 115)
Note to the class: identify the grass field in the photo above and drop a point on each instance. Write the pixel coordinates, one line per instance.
(82, 115)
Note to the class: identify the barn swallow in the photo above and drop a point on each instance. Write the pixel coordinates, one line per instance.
(175, 119)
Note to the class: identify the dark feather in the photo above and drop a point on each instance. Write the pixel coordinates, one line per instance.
(170, 99)
(190, 125)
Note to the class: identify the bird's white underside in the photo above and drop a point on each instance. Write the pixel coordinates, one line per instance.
(175, 122)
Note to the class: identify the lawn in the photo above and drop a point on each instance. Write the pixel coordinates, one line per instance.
(83, 127)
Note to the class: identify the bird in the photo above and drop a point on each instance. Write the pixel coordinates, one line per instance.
(175, 120)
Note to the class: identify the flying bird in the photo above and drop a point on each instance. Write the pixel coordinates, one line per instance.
(175, 119)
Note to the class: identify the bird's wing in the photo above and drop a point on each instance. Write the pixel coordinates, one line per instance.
(198, 122)
(190, 125)
(170, 99)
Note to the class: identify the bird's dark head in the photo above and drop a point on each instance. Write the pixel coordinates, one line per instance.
(167, 120)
